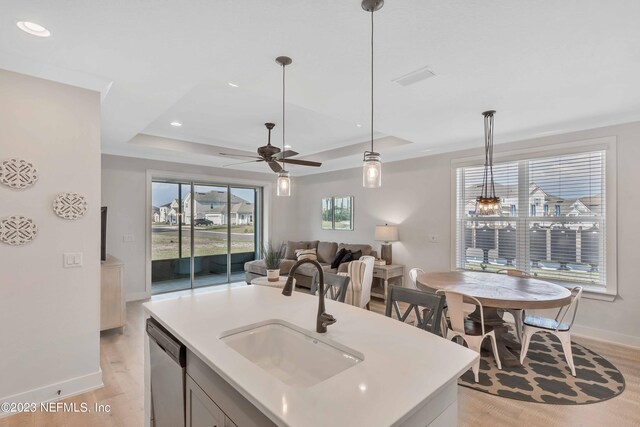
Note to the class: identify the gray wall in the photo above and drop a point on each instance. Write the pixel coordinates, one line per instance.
(416, 194)
(49, 315)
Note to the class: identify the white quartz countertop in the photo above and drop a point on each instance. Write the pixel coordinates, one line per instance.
(403, 366)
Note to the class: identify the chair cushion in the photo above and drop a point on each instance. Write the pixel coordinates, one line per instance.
(327, 251)
(544, 323)
(306, 254)
(336, 260)
(290, 253)
(366, 249)
(473, 328)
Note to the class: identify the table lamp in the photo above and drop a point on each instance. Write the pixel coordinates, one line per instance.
(387, 234)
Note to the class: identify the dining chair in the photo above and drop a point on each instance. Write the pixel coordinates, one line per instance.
(461, 326)
(413, 276)
(426, 306)
(557, 327)
(518, 314)
(361, 274)
(335, 286)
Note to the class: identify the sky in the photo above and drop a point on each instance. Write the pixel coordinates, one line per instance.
(163, 193)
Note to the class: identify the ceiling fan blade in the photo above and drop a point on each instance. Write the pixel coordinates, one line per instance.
(287, 153)
(275, 166)
(242, 163)
(303, 162)
(240, 156)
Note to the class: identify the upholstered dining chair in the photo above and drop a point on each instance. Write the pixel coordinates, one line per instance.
(413, 276)
(425, 305)
(361, 274)
(335, 286)
(558, 327)
(465, 328)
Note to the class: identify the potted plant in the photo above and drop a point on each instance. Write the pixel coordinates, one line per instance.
(272, 259)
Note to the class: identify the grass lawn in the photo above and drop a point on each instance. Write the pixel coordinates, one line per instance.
(165, 245)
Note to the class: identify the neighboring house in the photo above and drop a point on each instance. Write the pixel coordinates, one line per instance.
(155, 214)
(211, 206)
(541, 204)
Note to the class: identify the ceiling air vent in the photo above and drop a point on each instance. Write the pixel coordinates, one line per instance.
(414, 76)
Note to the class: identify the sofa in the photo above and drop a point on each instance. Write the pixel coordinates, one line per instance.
(306, 274)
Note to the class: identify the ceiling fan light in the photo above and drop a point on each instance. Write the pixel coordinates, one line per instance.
(283, 184)
(371, 170)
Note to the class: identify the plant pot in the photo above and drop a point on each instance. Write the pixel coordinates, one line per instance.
(273, 275)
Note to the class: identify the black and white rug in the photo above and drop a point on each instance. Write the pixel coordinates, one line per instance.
(545, 376)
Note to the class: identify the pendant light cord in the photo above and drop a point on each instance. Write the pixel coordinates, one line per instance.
(372, 11)
(283, 114)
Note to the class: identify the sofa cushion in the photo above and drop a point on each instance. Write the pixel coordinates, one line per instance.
(309, 269)
(347, 257)
(293, 246)
(366, 249)
(258, 267)
(327, 251)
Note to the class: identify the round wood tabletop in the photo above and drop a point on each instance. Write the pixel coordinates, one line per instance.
(499, 290)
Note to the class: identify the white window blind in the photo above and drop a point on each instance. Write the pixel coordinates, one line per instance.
(552, 223)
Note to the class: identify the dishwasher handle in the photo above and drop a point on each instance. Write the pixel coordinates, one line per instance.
(167, 342)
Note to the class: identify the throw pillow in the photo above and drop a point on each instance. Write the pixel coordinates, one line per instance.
(348, 257)
(356, 255)
(336, 261)
(306, 254)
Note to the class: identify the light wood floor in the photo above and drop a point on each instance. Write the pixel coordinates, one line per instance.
(122, 361)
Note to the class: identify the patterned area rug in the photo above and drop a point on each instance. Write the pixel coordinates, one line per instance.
(546, 378)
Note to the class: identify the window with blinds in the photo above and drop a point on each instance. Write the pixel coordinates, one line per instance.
(552, 223)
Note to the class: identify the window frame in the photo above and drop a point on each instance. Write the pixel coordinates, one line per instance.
(609, 291)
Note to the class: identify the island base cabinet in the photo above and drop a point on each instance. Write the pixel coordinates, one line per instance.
(210, 400)
(201, 410)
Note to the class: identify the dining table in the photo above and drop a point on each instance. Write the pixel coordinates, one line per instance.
(499, 292)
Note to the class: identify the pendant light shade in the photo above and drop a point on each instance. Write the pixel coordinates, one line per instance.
(284, 178)
(372, 164)
(371, 170)
(284, 184)
(487, 203)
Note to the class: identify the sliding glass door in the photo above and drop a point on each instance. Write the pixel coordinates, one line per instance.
(202, 234)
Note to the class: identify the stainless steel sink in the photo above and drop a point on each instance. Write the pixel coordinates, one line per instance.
(295, 356)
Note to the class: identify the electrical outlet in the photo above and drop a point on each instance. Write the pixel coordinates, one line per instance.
(72, 260)
(128, 238)
(433, 238)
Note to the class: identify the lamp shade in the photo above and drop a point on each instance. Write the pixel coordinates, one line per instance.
(386, 233)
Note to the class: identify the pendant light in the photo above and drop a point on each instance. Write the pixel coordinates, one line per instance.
(372, 166)
(284, 179)
(487, 203)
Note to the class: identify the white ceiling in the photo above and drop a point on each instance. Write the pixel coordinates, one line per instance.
(548, 66)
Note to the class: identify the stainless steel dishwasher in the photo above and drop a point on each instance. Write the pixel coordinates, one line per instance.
(168, 361)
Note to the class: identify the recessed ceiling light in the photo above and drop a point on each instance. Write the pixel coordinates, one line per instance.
(233, 84)
(176, 124)
(359, 125)
(287, 146)
(33, 28)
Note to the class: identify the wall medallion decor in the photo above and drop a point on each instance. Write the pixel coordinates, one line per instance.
(17, 230)
(70, 205)
(18, 174)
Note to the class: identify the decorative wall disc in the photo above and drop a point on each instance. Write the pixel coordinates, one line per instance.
(18, 174)
(17, 230)
(70, 205)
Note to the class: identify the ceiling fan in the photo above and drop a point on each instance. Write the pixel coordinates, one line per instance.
(272, 155)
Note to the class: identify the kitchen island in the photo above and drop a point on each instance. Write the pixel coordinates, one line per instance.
(391, 373)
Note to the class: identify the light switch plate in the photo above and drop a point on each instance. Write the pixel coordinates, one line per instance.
(128, 238)
(72, 259)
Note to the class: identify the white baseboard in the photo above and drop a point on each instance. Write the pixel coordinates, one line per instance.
(606, 336)
(137, 296)
(48, 393)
